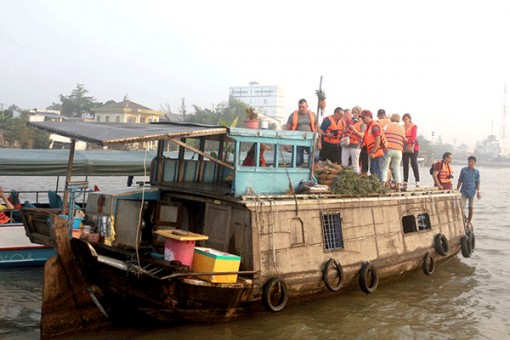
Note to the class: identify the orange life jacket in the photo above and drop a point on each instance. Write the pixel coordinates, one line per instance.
(383, 122)
(395, 135)
(334, 126)
(4, 218)
(370, 140)
(444, 173)
(354, 139)
(295, 119)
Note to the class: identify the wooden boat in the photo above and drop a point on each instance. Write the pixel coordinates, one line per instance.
(16, 250)
(292, 247)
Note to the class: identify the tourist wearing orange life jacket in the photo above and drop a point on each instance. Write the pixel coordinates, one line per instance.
(332, 130)
(363, 155)
(374, 140)
(8, 205)
(355, 131)
(395, 136)
(411, 149)
(303, 120)
(443, 173)
(382, 119)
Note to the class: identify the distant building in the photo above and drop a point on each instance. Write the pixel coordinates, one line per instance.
(44, 115)
(270, 98)
(126, 112)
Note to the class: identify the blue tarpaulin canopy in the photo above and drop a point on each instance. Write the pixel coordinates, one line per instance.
(32, 162)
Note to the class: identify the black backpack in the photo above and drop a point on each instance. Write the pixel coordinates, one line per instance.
(432, 167)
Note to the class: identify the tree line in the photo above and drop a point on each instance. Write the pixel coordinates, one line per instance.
(79, 103)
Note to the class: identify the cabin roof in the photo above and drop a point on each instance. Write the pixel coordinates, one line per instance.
(36, 162)
(115, 133)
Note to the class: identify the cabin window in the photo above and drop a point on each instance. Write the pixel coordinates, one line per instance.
(409, 224)
(332, 231)
(424, 221)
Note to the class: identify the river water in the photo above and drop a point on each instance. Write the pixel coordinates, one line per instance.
(463, 299)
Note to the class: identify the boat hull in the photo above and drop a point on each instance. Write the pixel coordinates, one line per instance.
(16, 250)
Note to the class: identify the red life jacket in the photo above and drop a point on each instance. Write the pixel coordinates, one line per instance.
(409, 132)
(295, 119)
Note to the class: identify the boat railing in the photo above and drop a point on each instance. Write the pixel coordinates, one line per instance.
(40, 199)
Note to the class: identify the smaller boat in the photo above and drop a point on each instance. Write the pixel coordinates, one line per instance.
(16, 249)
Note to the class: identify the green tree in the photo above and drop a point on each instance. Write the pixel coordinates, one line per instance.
(41, 140)
(77, 103)
(223, 112)
(55, 106)
(18, 134)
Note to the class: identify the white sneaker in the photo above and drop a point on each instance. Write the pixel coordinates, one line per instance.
(417, 185)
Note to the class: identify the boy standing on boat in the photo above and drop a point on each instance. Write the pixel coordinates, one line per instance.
(303, 120)
(469, 185)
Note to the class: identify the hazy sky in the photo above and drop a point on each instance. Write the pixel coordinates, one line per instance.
(445, 62)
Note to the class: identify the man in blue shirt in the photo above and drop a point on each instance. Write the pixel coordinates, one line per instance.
(469, 185)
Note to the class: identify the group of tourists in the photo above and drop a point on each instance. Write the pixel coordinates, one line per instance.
(353, 138)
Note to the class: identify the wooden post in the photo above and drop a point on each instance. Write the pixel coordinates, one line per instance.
(319, 102)
(201, 163)
(180, 172)
(68, 176)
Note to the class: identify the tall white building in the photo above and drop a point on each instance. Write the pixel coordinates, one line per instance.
(270, 97)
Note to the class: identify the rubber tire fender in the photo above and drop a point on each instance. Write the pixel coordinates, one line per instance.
(366, 273)
(441, 244)
(471, 236)
(267, 292)
(429, 264)
(333, 263)
(465, 246)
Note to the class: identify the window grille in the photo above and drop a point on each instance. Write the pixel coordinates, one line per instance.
(411, 223)
(423, 221)
(332, 231)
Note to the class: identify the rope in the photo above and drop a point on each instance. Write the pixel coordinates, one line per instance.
(261, 221)
(141, 210)
(272, 204)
